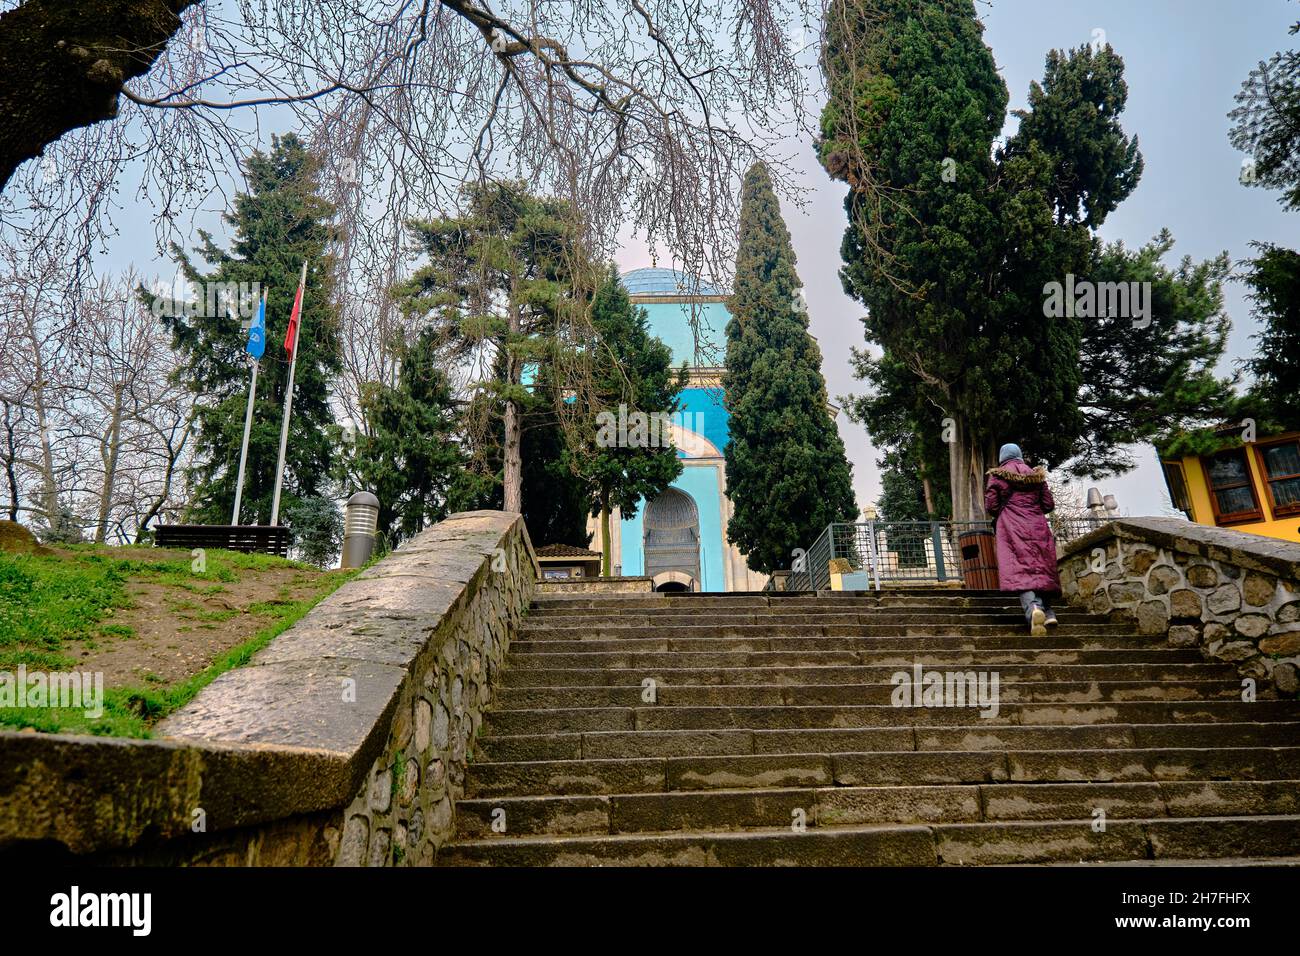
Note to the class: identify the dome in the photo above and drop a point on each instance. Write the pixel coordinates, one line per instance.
(667, 282)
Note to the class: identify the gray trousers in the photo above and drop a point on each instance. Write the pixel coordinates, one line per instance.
(1030, 598)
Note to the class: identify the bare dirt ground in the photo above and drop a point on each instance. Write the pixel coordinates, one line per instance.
(176, 632)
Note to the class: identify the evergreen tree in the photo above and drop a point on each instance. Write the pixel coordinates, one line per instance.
(408, 457)
(1266, 125)
(317, 528)
(554, 499)
(632, 369)
(952, 244)
(277, 224)
(1142, 384)
(503, 290)
(1274, 394)
(787, 474)
(1267, 128)
(909, 429)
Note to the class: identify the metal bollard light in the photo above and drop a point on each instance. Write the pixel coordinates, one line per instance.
(360, 518)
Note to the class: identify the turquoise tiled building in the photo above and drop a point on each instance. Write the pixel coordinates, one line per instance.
(680, 538)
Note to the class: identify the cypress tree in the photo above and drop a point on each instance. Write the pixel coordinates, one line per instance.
(277, 224)
(787, 474)
(953, 245)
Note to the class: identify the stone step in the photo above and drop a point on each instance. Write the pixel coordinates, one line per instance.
(914, 596)
(541, 632)
(862, 846)
(502, 722)
(666, 642)
(905, 768)
(751, 695)
(992, 844)
(858, 806)
(1006, 618)
(863, 655)
(773, 739)
(803, 672)
(901, 845)
(603, 744)
(657, 608)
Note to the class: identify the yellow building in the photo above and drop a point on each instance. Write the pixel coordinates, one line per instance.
(1252, 487)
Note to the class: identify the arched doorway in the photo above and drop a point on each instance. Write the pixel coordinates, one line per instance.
(672, 541)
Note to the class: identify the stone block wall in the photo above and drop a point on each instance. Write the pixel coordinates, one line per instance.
(343, 742)
(585, 587)
(1234, 595)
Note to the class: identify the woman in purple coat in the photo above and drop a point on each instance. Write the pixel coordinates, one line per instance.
(1017, 499)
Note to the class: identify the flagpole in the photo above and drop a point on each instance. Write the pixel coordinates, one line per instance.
(288, 402)
(248, 425)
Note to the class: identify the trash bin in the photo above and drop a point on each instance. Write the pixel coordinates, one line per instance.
(979, 559)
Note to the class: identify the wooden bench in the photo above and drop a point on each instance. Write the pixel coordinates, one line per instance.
(253, 538)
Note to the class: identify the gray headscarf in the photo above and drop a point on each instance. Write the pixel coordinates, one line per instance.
(1008, 452)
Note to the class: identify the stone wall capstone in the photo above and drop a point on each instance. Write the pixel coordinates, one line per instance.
(1234, 595)
(343, 742)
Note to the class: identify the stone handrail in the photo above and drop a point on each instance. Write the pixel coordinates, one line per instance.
(344, 741)
(1234, 595)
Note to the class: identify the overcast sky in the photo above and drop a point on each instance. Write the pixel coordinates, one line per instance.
(1183, 61)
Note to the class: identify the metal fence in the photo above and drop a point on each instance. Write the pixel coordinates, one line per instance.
(874, 552)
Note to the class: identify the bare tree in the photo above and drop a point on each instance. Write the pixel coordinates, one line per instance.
(643, 112)
(93, 425)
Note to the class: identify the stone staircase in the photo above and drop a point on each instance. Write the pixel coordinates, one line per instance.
(760, 729)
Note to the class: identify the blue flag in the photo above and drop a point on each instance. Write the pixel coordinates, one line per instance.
(257, 333)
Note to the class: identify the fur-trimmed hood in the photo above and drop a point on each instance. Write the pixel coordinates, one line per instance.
(1023, 479)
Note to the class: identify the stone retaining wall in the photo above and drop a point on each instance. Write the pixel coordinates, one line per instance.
(1234, 595)
(343, 742)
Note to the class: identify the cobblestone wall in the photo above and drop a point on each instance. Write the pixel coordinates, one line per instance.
(1234, 595)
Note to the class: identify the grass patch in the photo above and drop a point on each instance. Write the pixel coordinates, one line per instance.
(46, 600)
(132, 711)
(50, 600)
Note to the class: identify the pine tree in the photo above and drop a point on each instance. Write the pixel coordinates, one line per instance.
(409, 457)
(1266, 125)
(1274, 277)
(787, 474)
(277, 224)
(502, 288)
(632, 369)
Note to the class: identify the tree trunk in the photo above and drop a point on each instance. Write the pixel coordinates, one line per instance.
(11, 457)
(605, 548)
(49, 483)
(967, 459)
(66, 64)
(513, 476)
(513, 473)
(111, 448)
(173, 456)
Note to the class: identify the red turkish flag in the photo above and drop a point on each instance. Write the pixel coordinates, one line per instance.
(291, 334)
